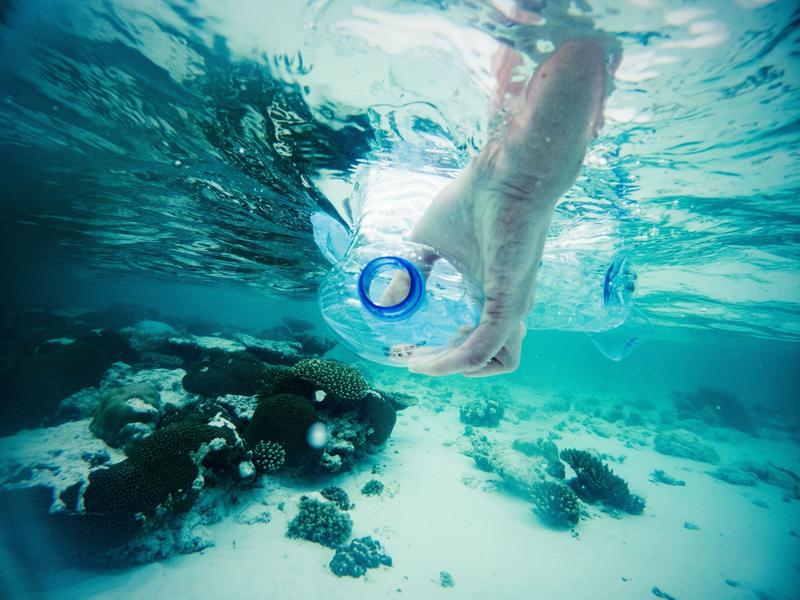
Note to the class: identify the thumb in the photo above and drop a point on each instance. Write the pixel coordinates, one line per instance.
(400, 285)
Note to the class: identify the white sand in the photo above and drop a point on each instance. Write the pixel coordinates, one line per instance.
(429, 520)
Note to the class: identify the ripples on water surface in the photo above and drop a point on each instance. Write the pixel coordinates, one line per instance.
(193, 140)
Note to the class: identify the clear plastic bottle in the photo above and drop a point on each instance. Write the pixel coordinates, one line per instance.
(585, 282)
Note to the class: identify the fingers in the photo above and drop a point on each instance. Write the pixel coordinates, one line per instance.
(483, 350)
(399, 286)
(507, 360)
(397, 290)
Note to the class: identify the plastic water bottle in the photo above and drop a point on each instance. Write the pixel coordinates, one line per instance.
(584, 283)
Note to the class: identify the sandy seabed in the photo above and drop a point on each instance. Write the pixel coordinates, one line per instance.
(439, 512)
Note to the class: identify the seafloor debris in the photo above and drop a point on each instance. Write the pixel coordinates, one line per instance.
(658, 593)
(659, 476)
(361, 554)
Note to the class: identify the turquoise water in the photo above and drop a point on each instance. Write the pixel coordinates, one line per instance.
(170, 154)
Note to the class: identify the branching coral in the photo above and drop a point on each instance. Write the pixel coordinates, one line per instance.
(555, 504)
(320, 522)
(595, 482)
(268, 456)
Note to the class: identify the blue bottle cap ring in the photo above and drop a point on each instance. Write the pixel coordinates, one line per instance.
(619, 283)
(408, 305)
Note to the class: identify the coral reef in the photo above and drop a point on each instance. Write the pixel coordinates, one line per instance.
(160, 471)
(749, 474)
(284, 419)
(380, 415)
(118, 316)
(149, 335)
(300, 331)
(372, 488)
(555, 504)
(268, 456)
(338, 496)
(91, 511)
(34, 383)
(685, 444)
(545, 449)
(518, 471)
(595, 482)
(54, 458)
(320, 522)
(126, 413)
(346, 443)
(399, 400)
(274, 352)
(332, 377)
(201, 412)
(713, 406)
(361, 554)
(116, 346)
(734, 476)
(238, 373)
(180, 428)
(355, 420)
(482, 412)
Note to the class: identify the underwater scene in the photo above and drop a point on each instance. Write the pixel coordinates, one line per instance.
(229, 339)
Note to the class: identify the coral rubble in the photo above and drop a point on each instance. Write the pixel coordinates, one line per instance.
(685, 444)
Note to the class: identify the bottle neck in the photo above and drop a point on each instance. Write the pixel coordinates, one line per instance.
(391, 288)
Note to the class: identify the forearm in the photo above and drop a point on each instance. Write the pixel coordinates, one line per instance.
(547, 139)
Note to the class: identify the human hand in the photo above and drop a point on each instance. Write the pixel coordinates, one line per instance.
(494, 218)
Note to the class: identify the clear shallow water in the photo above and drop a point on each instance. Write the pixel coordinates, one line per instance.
(192, 141)
(172, 153)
